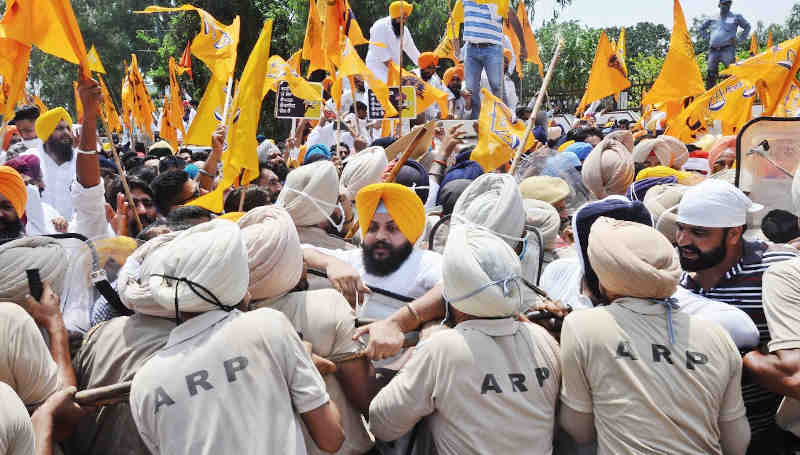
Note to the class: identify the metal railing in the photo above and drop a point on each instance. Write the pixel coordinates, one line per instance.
(566, 101)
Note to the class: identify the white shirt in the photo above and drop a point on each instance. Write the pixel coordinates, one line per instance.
(509, 91)
(40, 215)
(57, 180)
(324, 135)
(420, 272)
(227, 383)
(458, 109)
(382, 32)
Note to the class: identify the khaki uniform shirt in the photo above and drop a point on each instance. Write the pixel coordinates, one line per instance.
(647, 395)
(16, 429)
(327, 321)
(227, 383)
(489, 387)
(25, 361)
(113, 352)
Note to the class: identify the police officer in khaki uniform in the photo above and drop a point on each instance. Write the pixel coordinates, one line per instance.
(490, 372)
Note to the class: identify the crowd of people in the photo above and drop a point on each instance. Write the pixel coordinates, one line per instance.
(604, 296)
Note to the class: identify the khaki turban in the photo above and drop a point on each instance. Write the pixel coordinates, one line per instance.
(397, 9)
(544, 188)
(662, 203)
(633, 260)
(362, 169)
(474, 258)
(212, 255)
(544, 217)
(624, 136)
(133, 280)
(670, 151)
(608, 169)
(402, 203)
(48, 122)
(12, 187)
(494, 202)
(41, 253)
(310, 193)
(273, 249)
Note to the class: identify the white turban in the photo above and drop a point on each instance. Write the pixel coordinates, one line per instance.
(133, 284)
(670, 151)
(212, 255)
(608, 169)
(265, 149)
(41, 253)
(310, 193)
(633, 260)
(274, 254)
(662, 203)
(494, 202)
(623, 136)
(362, 169)
(473, 259)
(544, 217)
(715, 204)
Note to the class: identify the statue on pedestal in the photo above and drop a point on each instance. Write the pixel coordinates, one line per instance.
(722, 31)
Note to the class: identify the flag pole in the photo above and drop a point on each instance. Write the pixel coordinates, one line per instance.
(125, 187)
(228, 96)
(399, 132)
(537, 106)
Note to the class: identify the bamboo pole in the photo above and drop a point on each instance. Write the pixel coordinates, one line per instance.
(125, 187)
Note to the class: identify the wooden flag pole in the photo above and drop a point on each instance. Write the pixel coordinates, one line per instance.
(125, 187)
(241, 191)
(228, 96)
(539, 100)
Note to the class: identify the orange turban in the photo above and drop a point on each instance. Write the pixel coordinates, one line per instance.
(12, 187)
(507, 53)
(400, 8)
(402, 203)
(457, 70)
(427, 59)
(10, 131)
(327, 83)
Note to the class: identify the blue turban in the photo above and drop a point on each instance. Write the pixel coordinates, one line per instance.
(638, 190)
(580, 149)
(317, 153)
(192, 171)
(465, 170)
(415, 176)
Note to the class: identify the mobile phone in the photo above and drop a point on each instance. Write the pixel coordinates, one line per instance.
(35, 284)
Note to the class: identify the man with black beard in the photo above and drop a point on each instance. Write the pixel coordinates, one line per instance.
(144, 205)
(57, 159)
(392, 218)
(428, 66)
(13, 197)
(386, 32)
(720, 264)
(459, 100)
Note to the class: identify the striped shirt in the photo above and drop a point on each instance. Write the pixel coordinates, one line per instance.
(482, 24)
(741, 287)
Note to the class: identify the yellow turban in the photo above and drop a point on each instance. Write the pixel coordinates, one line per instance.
(544, 188)
(684, 178)
(401, 202)
(12, 187)
(48, 122)
(398, 8)
(232, 216)
(427, 59)
(453, 72)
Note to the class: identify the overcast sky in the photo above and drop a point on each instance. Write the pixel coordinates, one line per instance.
(609, 13)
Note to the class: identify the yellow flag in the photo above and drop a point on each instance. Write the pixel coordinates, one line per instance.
(426, 93)
(351, 64)
(607, 76)
(622, 51)
(78, 103)
(175, 99)
(313, 47)
(445, 49)
(340, 23)
(753, 45)
(94, 61)
(730, 101)
(127, 101)
(680, 77)
(216, 43)
(209, 114)
(167, 130)
(279, 70)
(531, 45)
(240, 160)
(516, 45)
(49, 25)
(770, 71)
(142, 106)
(108, 110)
(789, 105)
(498, 136)
(39, 103)
(14, 62)
(502, 6)
(769, 40)
(294, 61)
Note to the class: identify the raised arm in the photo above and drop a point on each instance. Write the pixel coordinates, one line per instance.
(87, 165)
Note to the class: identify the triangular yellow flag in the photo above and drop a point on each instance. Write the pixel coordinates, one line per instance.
(607, 76)
(451, 31)
(770, 71)
(142, 106)
(622, 51)
(498, 136)
(279, 70)
(753, 45)
(240, 160)
(426, 93)
(78, 103)
(94, 61)
(531, 45)
(175, 99)
(108, 110)
(14, 62)
(340, 23)
(127, 101)
(167, 130)
(216, 43)
(295, 60)
(680, 77)
(313, 47)
(49, 25)
(351, 64)
(209, 114)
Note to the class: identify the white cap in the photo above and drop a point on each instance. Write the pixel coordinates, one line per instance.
(715, 204)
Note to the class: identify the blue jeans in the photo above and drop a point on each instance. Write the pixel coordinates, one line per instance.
(479, 58)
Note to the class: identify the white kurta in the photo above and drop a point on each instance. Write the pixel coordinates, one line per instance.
(382, 32)
(57, 180)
